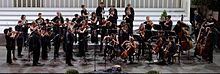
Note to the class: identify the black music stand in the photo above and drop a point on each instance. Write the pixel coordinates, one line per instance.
(157, 27)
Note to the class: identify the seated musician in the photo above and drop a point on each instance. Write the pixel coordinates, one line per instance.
(129, 50)
(112, 42)
(77, 20)
(170, 50)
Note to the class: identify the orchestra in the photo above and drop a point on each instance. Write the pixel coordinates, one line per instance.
(116, 40)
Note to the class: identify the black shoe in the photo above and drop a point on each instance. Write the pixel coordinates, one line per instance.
(73, 59)
(15, 59)
(69, 64)
(34, 65)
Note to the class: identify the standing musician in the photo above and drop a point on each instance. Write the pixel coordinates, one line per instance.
(94, 27)
(63, 33)
(148, 26)
(196, 24)
(100, 11)
(113, 9)
(20, 39)
(9, 44)
(84, 12)
(142, 46)
(162, 21)
(148, 23)
(129, 8)
(113, 19)
(168, 24)
(25, 26)
(131, 45)
(129, 18)
(35, 43)
(57, 24)
(103, 32)
(40, 20)
(69, 40)
(45, 42)
(82, 31)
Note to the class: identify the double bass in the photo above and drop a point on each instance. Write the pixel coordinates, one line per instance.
(184, 36)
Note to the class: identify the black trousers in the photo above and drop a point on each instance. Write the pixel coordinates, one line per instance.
(9, 60)
(19, 45)
(81, 48)
(56, 48)
(36, 55)
(44, 52)
(69, 54)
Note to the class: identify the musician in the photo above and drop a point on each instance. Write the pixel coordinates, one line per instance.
(112, 42)
(103, 32)
(197, 21)
(162, 21)
(19, 28)
(123, 34)
(212, 44)
(129, 8)
(9, 44)
(45, 42)
(25, 26)
(148, 26)
(35, 45)
(211, 20)
(69, 40)
(129, 18)
(100, 11)
(58, 18)
(113, 19)
(84, 12)
(40, 20)
(143, 38)
(130, 47)
(94, 27)
(63, 33)
(82, 31)
(170, 50)
(168, 24)
(77, 20)
(148, 23)
(112, 8)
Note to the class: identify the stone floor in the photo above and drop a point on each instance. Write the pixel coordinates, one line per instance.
(59, 66)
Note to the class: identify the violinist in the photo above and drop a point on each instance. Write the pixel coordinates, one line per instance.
(45, 42)
(40, 20)
(25, 26)
(100, 11)
(113, 19)
(168, 24)
(35, 43)
(19, 28)
(129, 18)
(94, 27)
(148, 23)
(82, 31)
(9, 44)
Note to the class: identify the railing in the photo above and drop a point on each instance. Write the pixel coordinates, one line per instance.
(92, 3)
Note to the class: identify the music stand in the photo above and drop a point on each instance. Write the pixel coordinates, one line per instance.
(157, 27)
